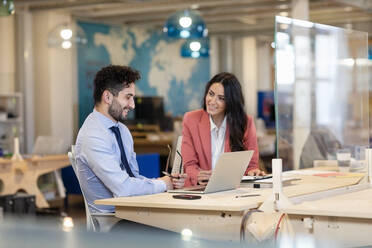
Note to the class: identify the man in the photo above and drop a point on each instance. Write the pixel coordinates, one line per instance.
(105, 159)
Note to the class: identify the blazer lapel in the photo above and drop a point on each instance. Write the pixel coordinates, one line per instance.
(227, 140)
(204, 127)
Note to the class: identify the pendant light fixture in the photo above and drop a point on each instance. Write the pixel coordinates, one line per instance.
(66, 35)
(195, 48)
(185, 24)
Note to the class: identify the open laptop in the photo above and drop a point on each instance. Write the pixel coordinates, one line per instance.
(226, 175)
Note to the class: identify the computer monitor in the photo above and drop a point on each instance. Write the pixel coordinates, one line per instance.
(148, 110)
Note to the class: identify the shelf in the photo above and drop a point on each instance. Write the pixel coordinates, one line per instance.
(11, 121)
(10, 95)
(11, 124)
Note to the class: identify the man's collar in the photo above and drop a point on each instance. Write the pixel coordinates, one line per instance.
(107, 122)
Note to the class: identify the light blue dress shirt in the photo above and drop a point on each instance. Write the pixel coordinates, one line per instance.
(98, 164)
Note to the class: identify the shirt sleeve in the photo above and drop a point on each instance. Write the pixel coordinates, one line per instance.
(100, 155)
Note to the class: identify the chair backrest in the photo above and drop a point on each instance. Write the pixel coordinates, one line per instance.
(177, 162)
(46, 145)
(89, 219)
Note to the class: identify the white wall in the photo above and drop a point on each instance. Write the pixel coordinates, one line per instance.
(249, 74)
(7, 54)
(25, 74)
(238, 55)
(264, 67)
(244, 66)
(214, 56)
(55, 81)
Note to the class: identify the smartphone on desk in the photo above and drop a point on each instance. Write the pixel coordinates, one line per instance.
(187, 197)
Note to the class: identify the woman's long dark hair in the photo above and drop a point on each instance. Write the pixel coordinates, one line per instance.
(236, 116)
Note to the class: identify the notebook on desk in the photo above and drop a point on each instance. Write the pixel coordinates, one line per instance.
(226, 175)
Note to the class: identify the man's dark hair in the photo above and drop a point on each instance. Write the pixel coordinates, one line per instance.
(113, 78)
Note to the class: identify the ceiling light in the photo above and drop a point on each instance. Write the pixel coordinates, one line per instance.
(349, 26)
(195, 48)
(185, 24)
(6, 7)
(283, 6)
(348, 8)
(66, 44)
(66, 35)
(195, 54)
(185, 21)
(185, 34)
(194, 6)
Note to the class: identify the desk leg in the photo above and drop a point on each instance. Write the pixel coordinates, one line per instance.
(214, 225)
(15, 181)
(33, 189)
(22, 176)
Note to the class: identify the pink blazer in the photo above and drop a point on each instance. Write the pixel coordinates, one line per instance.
(196, 144)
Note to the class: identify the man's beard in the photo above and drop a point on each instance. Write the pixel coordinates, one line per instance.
(116, 111)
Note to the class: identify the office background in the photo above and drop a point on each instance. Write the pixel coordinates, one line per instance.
(56, 83)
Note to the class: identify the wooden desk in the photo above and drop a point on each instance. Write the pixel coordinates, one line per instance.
(353, 205)
(216, 216)
(23, 175)
(338, 221)
(315, 184)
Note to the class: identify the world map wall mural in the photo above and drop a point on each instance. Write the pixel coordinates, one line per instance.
(164, 72)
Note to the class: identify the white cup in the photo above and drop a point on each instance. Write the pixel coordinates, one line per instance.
(343, 160)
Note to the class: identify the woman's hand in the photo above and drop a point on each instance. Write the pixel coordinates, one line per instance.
(256, 172)
(204, 176)
(178, 180)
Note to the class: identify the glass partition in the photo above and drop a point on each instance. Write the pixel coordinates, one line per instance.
(321, 94)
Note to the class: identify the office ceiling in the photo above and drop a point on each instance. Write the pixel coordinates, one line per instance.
(235, 17)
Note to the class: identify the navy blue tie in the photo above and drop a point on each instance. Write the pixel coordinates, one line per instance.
(124, 162)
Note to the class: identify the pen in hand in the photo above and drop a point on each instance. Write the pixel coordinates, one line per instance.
(169, 175)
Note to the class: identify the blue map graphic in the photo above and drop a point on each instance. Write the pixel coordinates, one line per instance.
(164, 72)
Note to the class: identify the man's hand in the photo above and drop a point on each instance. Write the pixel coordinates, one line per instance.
(178, 180)
(204, 176)
(168, 182)
(256, 172)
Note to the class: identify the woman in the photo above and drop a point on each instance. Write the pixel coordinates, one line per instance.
(221, 126)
